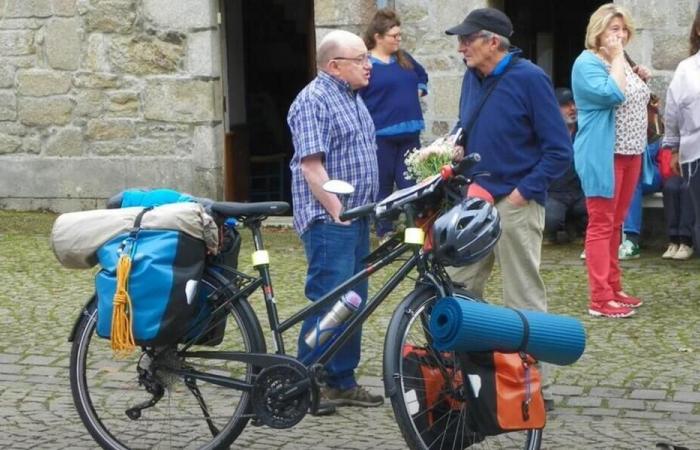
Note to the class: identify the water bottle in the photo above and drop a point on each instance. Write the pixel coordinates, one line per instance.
(348, 304)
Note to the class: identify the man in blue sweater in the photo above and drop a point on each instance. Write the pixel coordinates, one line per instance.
(524, 145)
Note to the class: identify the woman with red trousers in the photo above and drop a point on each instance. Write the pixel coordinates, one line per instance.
(611, 97)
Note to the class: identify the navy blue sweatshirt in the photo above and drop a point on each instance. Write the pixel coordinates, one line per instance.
(519, 132)
(392, 97)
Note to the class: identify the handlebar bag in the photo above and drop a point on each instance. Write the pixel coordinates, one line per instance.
(165, 268)
(503, 392)
(435, 411)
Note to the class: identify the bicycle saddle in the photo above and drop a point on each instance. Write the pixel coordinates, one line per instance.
(234, 209)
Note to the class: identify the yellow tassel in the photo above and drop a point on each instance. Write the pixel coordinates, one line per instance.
(122, 312)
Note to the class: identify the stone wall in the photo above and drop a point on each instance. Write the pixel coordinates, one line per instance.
(100, 95)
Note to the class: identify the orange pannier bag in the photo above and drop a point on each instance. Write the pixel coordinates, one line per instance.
(503, 392)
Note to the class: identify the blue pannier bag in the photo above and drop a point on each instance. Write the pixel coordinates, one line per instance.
(166, 268)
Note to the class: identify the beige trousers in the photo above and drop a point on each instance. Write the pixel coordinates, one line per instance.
(519, 252)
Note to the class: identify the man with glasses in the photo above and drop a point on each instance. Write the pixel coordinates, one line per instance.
(516, 127)
(333, 137)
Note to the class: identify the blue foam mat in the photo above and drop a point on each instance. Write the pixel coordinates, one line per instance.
(471, 326)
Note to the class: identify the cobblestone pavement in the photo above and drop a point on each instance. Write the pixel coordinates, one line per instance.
(637, 384)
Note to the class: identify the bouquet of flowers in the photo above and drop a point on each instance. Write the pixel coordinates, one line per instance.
(424, 162)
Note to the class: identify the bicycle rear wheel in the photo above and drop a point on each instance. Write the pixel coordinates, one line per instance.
(443, 427)
(106, 390)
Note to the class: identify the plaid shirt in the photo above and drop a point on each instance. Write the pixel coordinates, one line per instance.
(328, 117)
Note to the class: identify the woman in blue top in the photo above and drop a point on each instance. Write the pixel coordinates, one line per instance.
(611, 97)
(392, 98)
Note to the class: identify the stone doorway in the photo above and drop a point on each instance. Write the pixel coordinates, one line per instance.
(270, 57)
(551, 33)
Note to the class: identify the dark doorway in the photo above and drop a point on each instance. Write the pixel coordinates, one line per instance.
(551, 33)
(270, 58)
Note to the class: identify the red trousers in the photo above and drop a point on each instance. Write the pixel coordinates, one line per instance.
(605, 217)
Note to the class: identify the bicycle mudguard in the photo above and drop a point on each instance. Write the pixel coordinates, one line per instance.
(83, 312)
(391, 364)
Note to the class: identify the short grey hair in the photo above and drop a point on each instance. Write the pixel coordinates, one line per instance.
(504, 42)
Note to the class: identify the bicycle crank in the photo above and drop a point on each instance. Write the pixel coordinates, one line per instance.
(281, 396)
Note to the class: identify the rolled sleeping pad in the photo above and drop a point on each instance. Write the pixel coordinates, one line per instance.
(471, 326)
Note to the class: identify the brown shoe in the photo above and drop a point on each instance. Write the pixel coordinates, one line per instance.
(357, 396)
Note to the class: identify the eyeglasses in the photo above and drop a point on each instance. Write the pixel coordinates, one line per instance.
(393, 35)
(468, 39)
(359, 60)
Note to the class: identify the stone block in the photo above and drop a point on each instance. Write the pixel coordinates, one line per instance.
(440, 128)
(13, 128)
(208, 146)
(20, 24)
(8, 105)
(7, 74)
(162, 130)
(109, 129)
(146, 55)
(111, 16)
(444, 96)
(65, 8)
(45, 111)
(93, 80)
(181, 100)
(122, 104)
(669, 49)
(648, 14)
(343, 12)
(88, 103)
(65, 177)
(39, 83)
(32, 144)
(62, 43)
(138, 148)
(203, 54)
(16, 43)
(412, 11)
(9, 144)
(180, 15)
(65, 142)
(28, 8)
(96, 57)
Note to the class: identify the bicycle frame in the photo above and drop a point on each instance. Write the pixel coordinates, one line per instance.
(279, 327)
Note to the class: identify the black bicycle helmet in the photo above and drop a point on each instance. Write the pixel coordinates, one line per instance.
(466, 233)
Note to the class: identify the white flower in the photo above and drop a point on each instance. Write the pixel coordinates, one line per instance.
(427, 161)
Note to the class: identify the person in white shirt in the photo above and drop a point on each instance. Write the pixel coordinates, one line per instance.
(683, 120)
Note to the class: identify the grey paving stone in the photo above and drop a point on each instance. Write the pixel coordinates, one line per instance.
(648, 394)
(607, 392)
(673, 407)
(6, 358)
(600, 412)
(584, 401)
(623, 403)
(38, 360)
(644, 415)
(565, 390)
(681, 396)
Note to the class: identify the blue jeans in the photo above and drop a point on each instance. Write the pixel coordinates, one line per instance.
(558, 207)
(633, 220)
(678, 209)
(334, 253)
(391, 164)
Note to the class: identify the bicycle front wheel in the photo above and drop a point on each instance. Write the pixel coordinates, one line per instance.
(110, 393)
(438, 425)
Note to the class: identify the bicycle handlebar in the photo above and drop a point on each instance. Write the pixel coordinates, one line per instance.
(354, 213)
